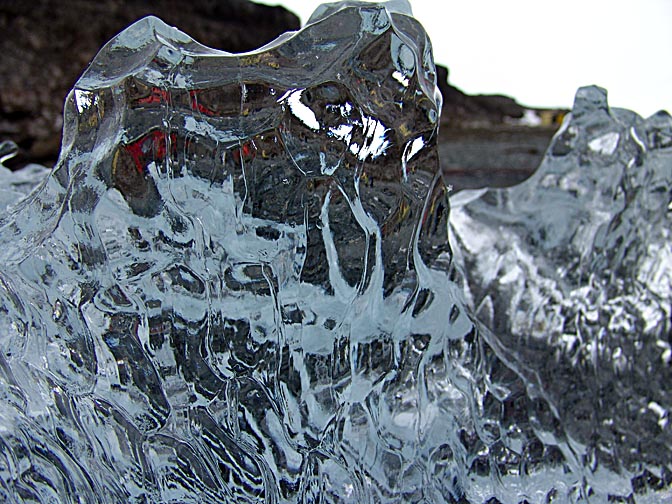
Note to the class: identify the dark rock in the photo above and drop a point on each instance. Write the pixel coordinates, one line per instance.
(495, 156)
(45, 44)
(461, 109)
(483, 141)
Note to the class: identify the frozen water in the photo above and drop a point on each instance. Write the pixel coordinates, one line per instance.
(225, 290)
(236, 286)
(572, 271)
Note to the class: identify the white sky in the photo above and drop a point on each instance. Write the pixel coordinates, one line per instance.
(541, 51)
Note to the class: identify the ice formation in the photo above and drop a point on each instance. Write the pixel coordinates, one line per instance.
(236, 286)
(572, 271)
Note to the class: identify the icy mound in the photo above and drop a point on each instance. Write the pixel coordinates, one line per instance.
(572, 270)
(236, 286)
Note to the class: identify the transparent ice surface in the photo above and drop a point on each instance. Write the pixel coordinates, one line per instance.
(572, 272)
(236, 286)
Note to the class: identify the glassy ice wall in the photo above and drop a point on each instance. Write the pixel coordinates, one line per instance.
(237, 286)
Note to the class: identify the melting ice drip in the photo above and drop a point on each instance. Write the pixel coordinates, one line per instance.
(236, 286)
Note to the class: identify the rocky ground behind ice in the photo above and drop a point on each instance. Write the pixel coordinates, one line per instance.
(46, 44)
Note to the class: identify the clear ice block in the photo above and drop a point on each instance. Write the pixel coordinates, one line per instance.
(237, 286)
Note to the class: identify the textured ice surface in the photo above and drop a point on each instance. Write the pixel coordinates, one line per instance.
(236, 286)
(572, 271)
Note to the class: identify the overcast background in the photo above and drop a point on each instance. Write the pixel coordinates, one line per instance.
(540, 52)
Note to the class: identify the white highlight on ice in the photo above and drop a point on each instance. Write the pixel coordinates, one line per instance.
(300, 110)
